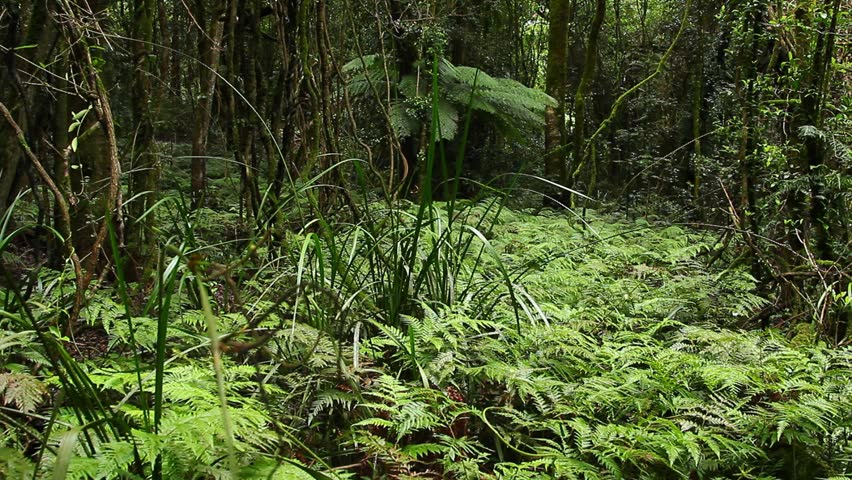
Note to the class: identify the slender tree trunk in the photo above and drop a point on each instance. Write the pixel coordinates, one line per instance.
(165, 39)
(23, 25)
(555, 168)
(579, 142)
(62, 169)
(145, 171)
(289, 89)
(406, 56)
(326, 78)
(179, 41)
(811, 114)
(697, 102)
(748, 78)
(250, 40)
(107, 163)
(210, 39)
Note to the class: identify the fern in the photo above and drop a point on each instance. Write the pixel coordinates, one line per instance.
(835, 148)
(509, 104)
(13, 464)
(625, 370)
(405, 123)
(22, 389)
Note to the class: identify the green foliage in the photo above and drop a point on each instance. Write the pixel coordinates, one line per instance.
(621, 371)
(509, 104)
(610, 352)
(837, 150)
(13, 464)
(450, 340)
(22, 389)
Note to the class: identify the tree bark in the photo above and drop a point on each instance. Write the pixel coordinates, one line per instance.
(579, 134)
(209, 41)
(811, 114)
(555, 168)
(697, 107)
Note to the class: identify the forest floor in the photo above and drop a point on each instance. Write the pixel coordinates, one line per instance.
(486, 342)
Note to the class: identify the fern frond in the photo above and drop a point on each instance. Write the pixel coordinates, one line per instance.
(22, 389)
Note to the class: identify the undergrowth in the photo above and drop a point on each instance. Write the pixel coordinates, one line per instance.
(463, 340)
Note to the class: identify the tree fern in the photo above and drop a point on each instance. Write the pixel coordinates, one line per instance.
(508, 103)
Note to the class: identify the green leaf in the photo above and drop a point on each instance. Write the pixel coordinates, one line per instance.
(81, 114)
(65, 453)
(403, 123)
(359, 63)
(23, 389)
(448, 120)
(313, 473)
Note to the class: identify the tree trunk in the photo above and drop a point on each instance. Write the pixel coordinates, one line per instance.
(579, 142)
(288, 94)
(145, 167)
(813, 153)
(555, 168)
(107, 199)
(23, 26)
(818, 228)
(748, 77)
(209, 43)
(697, 103)
(406, 56)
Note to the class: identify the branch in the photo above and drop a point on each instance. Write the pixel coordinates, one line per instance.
(61, 201)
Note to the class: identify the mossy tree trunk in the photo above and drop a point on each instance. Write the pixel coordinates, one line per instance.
(102, 159)
(745, 82)
(555, 168)
(22, 25)
(242, 39)
(288, 93)
(810, 113)
(698, 79)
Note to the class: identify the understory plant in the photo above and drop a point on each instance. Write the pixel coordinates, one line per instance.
(453, 339)
(610, 352)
